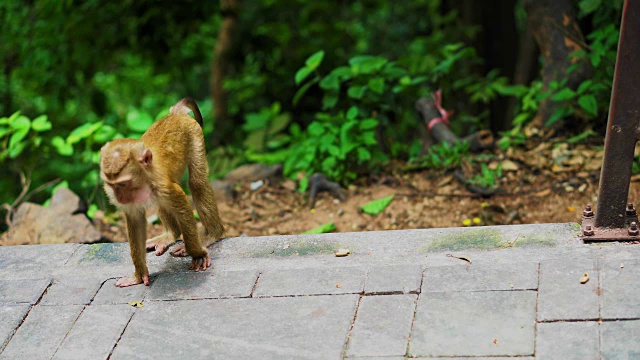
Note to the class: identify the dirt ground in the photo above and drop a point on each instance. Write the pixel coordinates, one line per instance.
(541, 183)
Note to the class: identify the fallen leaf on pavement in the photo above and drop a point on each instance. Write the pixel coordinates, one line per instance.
(135, 303)
(343, 252)
(584, 278)
(459, 257)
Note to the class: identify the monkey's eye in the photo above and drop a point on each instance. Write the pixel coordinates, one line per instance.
(121, 185)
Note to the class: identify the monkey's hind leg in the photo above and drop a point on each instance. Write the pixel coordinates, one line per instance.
(203, 196)
(192, 242)
(162, 242)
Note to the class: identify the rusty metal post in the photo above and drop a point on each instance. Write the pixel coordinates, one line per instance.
(623, 123)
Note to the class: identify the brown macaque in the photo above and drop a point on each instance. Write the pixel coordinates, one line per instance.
(145, 172)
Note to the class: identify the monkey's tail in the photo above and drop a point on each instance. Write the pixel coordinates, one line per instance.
(184, 106)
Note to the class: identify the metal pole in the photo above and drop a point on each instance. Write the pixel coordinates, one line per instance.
(623, 123)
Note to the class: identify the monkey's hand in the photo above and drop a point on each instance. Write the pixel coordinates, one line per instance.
(133, 280)
(200, 262)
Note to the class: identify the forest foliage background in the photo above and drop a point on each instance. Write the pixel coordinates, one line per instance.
(324, 86)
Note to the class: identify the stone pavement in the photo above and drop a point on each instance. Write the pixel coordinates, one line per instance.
(482, 292)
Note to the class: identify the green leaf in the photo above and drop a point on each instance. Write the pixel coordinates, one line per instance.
(92, 211)
(279, 123)
(329, 100)
(356, 92)
(341, 72)
(368, 124)
(584, 86)
(104, 133)
(315, 129)
(255, 121)
(62, 146)
(21, 123)
(393, 72)
(376, 85)
(84, 131)
(303, 185)
(563, 95)
(326, 228)
(333, 150)
(377, 206)
(16, 150)
(17, 137)
(315, 60)
(363, 154)
(589, 104)
(366, 64)
(330, 82)
(588, 6)
(580, 137)
(302, 74)
(13, 117)
(41, 123)
(303, 90)
(329, 163)
(352, 113)
(138, 121)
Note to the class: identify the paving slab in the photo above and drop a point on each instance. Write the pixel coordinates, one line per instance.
(109, 293)
(619, 300)
(619, 340)
(311, 281)
(480, 358)
(382, 325)
(118, 254)
(393, 279)
(568, 340)
(491, 323)
(402, 242)
(22, 291)
(42, 332)
(95, 333)
(481, 277)
(72, 291)
(562, 296)
(47, 256)
(203, 285)
(313, 327)
(10, 318)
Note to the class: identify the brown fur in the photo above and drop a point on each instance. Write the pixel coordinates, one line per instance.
(138, 173)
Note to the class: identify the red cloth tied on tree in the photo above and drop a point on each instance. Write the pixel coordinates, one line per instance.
(444, 114)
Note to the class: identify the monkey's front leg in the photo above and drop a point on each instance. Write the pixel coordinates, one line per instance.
(137, 234)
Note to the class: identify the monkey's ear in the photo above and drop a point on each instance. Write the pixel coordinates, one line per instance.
(146, 158)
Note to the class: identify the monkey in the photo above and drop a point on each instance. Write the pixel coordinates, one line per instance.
(141, 173)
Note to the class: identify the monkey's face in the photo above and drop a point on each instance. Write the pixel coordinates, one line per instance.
(125, 192)
(124, 177)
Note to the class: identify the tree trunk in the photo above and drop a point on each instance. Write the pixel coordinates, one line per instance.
(555, 29)
(219, 64)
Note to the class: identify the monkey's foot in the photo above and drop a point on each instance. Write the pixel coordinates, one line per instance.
(160, 243)
(181, 251)
(132, 280)
(201, 262)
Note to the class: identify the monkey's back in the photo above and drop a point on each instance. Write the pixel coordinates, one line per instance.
(170, 139)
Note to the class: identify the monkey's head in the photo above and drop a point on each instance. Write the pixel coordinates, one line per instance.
(125, 166)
